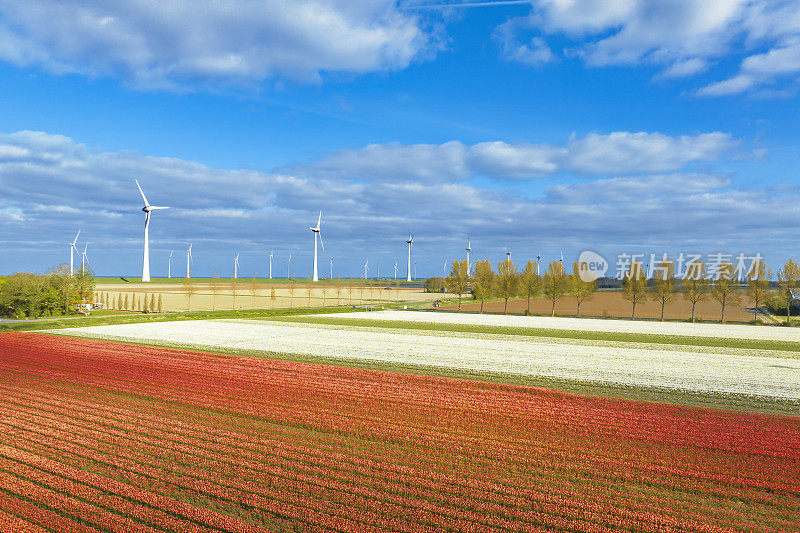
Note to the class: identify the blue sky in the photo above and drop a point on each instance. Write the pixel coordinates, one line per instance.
(574, 124)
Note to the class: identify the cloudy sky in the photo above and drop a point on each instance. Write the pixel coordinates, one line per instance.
(541, 125)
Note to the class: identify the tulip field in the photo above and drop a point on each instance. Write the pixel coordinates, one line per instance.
(113, 437)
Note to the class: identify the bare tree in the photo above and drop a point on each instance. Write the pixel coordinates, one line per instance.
(725, 288)
(214, 285)
(189, 288)
(530, 282)
(458, 280)
(234, 286)
(665, 285)
(634, 286)
(581, 289)
(507, 281)
(254, 287)
(554, 284)
(695, 284)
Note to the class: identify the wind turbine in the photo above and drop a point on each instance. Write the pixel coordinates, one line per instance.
(508, 254)
(395, 270)
(562, 258)
(316, 232)
(270, 264)
(72, 248)
(538, 260)
(147, 210)
(331, 268)
(469, 249)
(188, 260)
(84, 258)
(410, 241)
(444, 269)
(236, 266)
(366, 265)
(169, 266)
(378, 273)
(289, 267)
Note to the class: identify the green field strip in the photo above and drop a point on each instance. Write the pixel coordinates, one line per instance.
(635, 338)
(135, 318)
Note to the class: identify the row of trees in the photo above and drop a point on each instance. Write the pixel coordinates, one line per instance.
(725, 289)
(663, 288)
(131, 302)
(54, 293)
(508, 283)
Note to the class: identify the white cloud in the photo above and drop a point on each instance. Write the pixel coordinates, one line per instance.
(759, 69)
(614, 153)
(168, 44)
(12, 214)
(223, 210)
(684, 37)
(429, 162)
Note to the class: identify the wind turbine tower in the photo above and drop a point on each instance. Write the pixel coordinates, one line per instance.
(395, 270)
(236, 266)
(316, 232)
(469, 249)
(84, 258)
(188, 261)
(147, 210)
(169, 266)
(538, 261)
(289, 267)
(73, 248)
(366, 265)
(270, 264)
(410, 241)
(331, 268)
(508, 254)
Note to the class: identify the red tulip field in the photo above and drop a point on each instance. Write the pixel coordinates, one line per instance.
(102, 436)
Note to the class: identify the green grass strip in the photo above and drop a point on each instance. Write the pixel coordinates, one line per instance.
(61, 323)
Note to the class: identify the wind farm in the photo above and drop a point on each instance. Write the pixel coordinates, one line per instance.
(552, 284)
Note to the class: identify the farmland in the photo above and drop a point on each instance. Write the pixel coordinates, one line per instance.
(208, 295)
(748, 370)
(101, 436)
(612, 304)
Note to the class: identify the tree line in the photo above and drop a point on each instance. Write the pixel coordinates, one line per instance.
(55, 293)
(483, 283)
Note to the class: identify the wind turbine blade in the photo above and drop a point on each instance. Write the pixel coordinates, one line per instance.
(319, 220)
(76, 237)
(320, 241)
(146, 219)
(154, 207)
(146, 203)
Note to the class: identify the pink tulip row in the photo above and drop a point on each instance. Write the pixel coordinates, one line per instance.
(563, 503)
(440, 454)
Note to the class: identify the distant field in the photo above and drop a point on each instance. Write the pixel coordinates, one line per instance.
(100, 436)
(611, 304)
(259, 296)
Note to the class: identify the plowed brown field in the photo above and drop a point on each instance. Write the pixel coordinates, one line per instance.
(612, 304)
